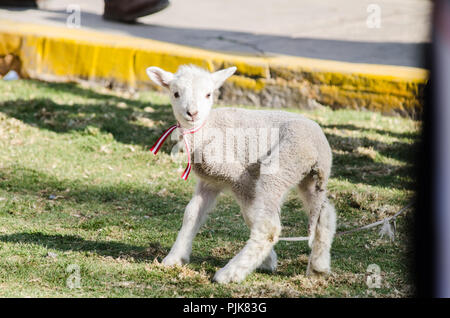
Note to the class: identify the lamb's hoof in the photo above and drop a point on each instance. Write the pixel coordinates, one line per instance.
(228, 275)
(170, 260)
(319, 264)
(270, 263)
(314, 270)
(315, 273)
(268, 267)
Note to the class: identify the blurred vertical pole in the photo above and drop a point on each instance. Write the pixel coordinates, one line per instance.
(441, 131)
(432, 217)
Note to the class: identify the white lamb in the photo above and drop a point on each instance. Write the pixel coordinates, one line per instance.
(304, 160)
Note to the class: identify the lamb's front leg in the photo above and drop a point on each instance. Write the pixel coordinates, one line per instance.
(195, 215)
(264, 233)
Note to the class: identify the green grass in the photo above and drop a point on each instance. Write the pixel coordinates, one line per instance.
(78, 186)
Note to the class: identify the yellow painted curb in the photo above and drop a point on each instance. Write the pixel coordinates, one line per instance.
(49, 52)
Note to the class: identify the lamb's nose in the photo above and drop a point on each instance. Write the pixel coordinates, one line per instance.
(192, 114)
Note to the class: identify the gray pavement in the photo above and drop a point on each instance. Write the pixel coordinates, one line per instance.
(327, 29)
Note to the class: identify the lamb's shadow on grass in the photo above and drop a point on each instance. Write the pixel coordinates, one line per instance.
(110, 113)
(199, 261)
(78, 244)
(73, 243)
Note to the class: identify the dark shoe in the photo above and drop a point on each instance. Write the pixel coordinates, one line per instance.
(19, 3)
(129, 11)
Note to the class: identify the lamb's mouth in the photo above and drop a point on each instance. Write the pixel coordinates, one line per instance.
(188, 119)
(191, 120)
(183, 117)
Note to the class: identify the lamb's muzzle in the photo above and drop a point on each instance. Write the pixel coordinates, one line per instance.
(303, 158)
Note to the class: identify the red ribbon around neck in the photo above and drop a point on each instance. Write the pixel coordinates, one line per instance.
(184, 132)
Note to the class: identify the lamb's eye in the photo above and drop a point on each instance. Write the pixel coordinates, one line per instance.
(208, 95)
(176, 95)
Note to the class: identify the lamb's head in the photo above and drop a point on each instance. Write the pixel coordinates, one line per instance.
(191, 91)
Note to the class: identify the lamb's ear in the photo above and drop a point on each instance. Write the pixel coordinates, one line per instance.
(221, 76)
(159, 76)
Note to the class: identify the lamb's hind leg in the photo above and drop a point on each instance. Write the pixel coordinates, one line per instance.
(195, 215)
(322, 223)
(262, 215)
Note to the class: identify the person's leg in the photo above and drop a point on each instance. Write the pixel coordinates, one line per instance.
(18, 3)
(129, 11)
